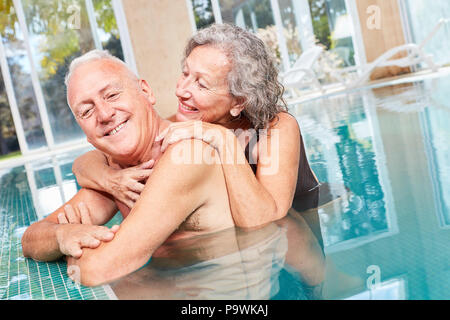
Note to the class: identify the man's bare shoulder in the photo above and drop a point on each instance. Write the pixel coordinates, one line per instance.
(191, 156)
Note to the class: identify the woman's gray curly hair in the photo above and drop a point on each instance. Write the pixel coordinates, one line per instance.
(253, 76)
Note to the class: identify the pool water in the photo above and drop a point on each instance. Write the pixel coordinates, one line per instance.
(390, 237)
(383, 156)
(27, 194)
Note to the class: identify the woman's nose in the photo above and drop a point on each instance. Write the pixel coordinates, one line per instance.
(182, 89)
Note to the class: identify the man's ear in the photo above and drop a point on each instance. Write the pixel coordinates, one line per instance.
(237, 107)
(147, 91)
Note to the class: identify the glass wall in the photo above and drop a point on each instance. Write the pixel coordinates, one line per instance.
(56, 37)
(106, 27)
(39, 40)
(423, 17)
(252, 15)
(20, 73)
(203, 13)
(289, 27)
(297, 27)
(8, 137)
(334, 28)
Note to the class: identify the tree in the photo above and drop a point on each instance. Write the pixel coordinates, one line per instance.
(203, 13)
(56, 40)
(320, 21)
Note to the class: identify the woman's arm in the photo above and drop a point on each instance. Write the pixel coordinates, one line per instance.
(92, 171)
(259, 199)
(266, 196)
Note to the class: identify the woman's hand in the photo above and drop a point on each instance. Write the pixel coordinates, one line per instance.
(127, 184)
(212, 134)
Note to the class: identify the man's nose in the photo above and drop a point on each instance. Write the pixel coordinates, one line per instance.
(105, 113)
(182, 89)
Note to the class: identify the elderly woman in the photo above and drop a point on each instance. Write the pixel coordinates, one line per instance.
(228, 84)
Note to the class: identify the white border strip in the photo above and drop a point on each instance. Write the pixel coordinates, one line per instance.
(125, 39)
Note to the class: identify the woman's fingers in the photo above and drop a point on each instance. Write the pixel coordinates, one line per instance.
(132, 196)
(193, 130)
(136, 187)
(176, 135)
(147, 165)
(140, 174)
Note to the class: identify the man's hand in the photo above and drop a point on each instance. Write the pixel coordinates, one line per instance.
(77, 232)
(70, 215)
(73, 237)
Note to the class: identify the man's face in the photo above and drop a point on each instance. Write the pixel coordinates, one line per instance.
(113, 108)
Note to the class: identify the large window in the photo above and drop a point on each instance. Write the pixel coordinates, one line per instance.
(18, 65)
(289, 27)
(423, 17)
(39, 39)
(8, 137)
(203, 13)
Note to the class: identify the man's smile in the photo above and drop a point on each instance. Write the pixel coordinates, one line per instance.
(117, 129)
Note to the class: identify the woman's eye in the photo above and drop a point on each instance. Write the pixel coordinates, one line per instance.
(201, 85)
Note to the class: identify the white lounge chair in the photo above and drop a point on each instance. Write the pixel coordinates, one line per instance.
(302, 74)
(415, 55)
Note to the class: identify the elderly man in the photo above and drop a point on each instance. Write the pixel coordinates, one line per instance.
(115, 110)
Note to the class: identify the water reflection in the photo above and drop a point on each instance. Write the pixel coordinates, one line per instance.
(282, 260)
(345, 151)
(384, 153)
(434, 122)
(51, 182)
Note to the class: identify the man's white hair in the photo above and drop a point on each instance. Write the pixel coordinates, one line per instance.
(92, 55)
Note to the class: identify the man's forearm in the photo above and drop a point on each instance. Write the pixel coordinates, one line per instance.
(39, 241)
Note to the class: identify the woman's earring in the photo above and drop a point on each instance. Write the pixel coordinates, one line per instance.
(235, 113)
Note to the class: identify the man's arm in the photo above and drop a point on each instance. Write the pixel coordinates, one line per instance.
(176, 189)
(47, 240)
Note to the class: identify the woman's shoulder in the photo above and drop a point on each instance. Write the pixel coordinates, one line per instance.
(284, 120)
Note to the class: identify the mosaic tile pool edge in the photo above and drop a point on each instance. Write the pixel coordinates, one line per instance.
(22, 278)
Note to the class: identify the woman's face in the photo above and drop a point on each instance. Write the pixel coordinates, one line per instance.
(202, 90)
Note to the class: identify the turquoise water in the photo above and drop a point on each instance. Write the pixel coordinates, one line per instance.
(390, 147)
(27, 194)
(382, 153)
